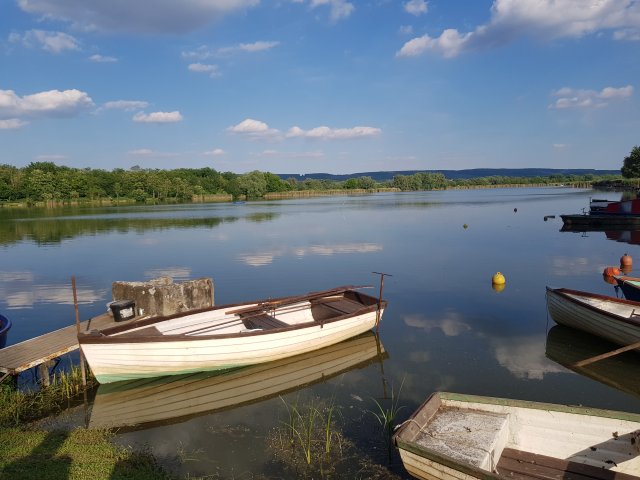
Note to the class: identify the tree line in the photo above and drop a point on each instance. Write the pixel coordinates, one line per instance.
(46, 181)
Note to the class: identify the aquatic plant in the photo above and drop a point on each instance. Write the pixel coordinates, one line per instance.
(386, 416)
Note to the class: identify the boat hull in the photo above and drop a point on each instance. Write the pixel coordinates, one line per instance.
(566, 308)
(126, 361)
(600, 220)
(630, 287)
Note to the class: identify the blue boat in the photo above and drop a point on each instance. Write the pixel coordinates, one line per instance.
(5, 325)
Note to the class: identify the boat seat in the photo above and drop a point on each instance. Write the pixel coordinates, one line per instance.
(520, 465)
(262, 322)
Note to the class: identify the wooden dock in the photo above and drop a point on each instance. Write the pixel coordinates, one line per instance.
(39, 350)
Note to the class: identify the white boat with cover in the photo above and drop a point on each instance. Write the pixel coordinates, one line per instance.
(455, 436)
(229, 336)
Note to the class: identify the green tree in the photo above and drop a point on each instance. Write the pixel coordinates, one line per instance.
(631, 165)
(253, 184)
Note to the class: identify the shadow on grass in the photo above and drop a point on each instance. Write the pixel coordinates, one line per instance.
(42, 458)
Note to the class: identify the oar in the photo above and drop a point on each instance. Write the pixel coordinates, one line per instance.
(588, 361)
(298, 298)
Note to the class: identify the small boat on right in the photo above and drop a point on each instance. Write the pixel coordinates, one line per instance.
(457, 436)
(630, 286)
(614, 319)
(606, 212)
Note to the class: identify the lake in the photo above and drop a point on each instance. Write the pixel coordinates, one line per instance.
(445, 328)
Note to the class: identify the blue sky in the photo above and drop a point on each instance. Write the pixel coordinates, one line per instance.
(302, 86)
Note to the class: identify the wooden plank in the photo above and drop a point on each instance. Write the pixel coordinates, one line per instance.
(30, 353)
(521, 465)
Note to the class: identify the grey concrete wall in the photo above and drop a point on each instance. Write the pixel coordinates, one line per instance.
(161, 296)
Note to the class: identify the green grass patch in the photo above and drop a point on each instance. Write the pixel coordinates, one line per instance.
(79, 454)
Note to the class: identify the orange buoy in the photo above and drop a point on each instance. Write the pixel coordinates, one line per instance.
(611, 271)
(609, 279)
(626, 260)
(626, 269)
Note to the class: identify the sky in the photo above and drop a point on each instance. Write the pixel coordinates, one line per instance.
(306, 86)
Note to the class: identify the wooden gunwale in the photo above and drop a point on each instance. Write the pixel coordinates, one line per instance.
(105, 336)
(564, 291)
(87, 338)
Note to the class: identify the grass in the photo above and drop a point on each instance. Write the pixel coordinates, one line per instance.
(79, 454)
(18, 407)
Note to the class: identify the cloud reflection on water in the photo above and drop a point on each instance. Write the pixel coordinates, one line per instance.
(259, 259)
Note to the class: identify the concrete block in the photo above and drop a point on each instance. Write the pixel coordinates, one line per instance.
(161, 296)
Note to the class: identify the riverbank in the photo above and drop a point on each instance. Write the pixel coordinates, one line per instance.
(291, 194)
(72, 455)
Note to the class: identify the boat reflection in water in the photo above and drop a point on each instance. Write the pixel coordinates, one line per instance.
(567, 346)
(617, 233)
(139, 404)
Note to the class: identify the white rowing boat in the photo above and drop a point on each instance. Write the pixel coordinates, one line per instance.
(454, 436)
(229, 336)
(614, 319)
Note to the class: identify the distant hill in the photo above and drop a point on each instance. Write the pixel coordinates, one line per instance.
(455, 174)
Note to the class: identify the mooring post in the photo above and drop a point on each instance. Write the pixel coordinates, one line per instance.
(378, 312)
(75, 305)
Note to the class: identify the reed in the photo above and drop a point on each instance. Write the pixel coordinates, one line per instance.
(18, 407)
(386, 415)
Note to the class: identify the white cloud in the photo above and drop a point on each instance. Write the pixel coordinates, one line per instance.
(216, 152)
(628, 34)
(53, 103)
(254, 129)
(147, 152)
(102, 59)
(163, 16)
(127, 105)
(560, 146)
(416, 7)
(291, 155)
(158, 117)
(12, 124)
(327, 133)
(51, 157)
(203, 52)
(406, 29)
(575, 98)
(339, 9)
(259, 46)
(546, 19)
(212, 70)
(54, 42)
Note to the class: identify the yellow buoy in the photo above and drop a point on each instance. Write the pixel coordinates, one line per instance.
(498, 279)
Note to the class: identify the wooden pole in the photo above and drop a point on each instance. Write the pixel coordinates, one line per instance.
(75, 305)
(378, 312)
(588, 361)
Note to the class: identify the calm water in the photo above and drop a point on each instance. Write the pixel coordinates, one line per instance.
(446, 328)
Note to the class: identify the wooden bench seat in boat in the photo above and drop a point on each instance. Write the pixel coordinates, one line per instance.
(521, 465)
(330, 308)
(262, 321)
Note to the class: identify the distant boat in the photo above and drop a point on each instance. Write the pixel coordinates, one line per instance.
(567, 346)
(630, 286)
(165, 400)
(606, 213)
(614, 319)
(455, 436)
(229, 336)
(5, 326)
